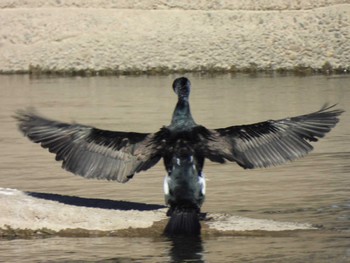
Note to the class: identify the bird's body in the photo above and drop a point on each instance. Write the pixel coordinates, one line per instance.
(183, 145)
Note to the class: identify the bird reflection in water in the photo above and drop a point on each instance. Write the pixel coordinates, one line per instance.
(186, 249)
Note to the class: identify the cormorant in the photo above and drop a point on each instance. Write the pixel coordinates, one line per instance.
(183, 145)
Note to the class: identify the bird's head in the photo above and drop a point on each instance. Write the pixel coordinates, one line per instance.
(182, 87)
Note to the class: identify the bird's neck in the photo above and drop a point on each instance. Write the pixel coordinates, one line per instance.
(182, 117)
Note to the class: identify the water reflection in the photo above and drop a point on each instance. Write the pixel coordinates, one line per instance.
(186, 249)
(312, 190)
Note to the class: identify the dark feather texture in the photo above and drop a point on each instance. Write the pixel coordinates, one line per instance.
(91, 152)
(272, 142)
(183, 145)
(183, 223)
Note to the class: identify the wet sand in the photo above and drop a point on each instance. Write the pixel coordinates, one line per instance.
(26, 214)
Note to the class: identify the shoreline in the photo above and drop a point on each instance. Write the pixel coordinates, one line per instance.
(299, 70)
(30, 215)
(162, 37)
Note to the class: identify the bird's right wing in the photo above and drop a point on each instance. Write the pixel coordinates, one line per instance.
(91, 152)
(271, 142)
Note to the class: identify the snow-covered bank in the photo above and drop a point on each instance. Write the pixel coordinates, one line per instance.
(54, 213)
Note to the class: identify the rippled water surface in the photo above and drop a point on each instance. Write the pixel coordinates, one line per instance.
(312, 190)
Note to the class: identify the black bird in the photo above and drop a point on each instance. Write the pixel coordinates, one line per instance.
(183, 145)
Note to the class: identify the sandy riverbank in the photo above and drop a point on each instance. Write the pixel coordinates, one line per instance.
(38, 214)
(170, 36)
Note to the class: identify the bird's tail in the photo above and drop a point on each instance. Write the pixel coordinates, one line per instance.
(183, 222)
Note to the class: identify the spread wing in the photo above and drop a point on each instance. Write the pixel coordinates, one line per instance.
(91, 152)
(271, 142)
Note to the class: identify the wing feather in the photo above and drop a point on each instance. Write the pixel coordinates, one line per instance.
(271, 142)
(88, 151)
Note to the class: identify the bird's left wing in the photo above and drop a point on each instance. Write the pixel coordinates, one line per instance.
(88, 151)
(271, 142)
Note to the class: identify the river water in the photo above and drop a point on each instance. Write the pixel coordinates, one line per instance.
(312, 190)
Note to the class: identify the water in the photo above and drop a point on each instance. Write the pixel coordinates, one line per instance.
(312, 190)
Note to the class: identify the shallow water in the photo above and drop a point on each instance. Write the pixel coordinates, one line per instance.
(312, 190)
